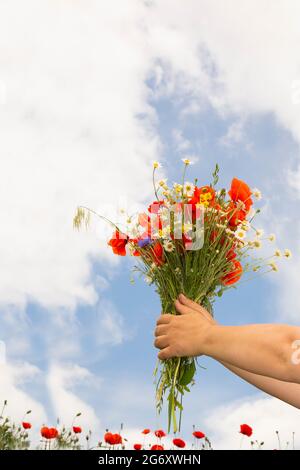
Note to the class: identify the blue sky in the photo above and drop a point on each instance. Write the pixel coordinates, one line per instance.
(88, 111)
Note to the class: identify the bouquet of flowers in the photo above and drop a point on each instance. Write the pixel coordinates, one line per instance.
(194, 240)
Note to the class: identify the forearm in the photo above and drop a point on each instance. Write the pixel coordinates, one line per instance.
(261, 349)
(285, 391)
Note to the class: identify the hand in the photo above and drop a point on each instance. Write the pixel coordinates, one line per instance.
(185, 334)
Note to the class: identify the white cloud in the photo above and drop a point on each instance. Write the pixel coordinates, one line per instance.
(210, 52)
(235, 134)
(13, 377)
(182, 144)
(74, 76)
(61, 380)
(264, 415)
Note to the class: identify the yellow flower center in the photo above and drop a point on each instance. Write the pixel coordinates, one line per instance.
(205, 199)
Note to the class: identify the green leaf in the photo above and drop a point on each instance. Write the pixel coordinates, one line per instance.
(188, 374)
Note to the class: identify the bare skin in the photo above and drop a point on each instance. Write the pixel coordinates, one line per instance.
(263, 355)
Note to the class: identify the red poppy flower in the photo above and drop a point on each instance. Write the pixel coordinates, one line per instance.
(118, 439)
(26, 425)
(158, 253)
(118, 243)
(231, 254)
(112, 439)
(246, 430)
(77, 429)
(137, 446)
(179, 443)
(146, 431)
(160, 433)
(234, 275)
(155, 206)
(157, 447)
(204, 195)
(49, 433)
(235, 215)
(198, 434)
(240, 192)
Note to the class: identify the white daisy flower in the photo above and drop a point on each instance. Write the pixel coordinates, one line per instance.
(177, 188)
(259, 232)
(188, 189)
(278, 254)
(272, 237)
(148, 279)
(156, 165)
(256, 193)
(240, 234)
(168, 246)
(162, 183)
(186, 161)
(274, 266)
(287, 253)
(244, 226)
(257, 243)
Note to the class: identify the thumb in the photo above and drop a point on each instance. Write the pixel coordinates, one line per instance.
(194, 306)
(183, 309)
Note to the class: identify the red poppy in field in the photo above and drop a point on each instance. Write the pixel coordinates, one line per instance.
(157, 447)
(77, 429)
(234, 275)
(179, 443)
(118, 243)
(49, 433)
(137, 446)
(198, 434)
(160, 433)
(26, 425)
(240, 192)
(112, 439)
(146, 431)
(246, 430)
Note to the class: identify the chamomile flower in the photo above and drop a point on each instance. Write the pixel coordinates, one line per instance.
(168, 246)
(229, 231)
(188, 189)
(259, 232)
(256, 193)
(165, 231)
(274, 266)
(256, 244)
(244, 226)
(148, 279)
(278, 253)
(186, 161)
(156, 165)
(240, 234)
(287, 253)
(272, 237)
(162, 183)
(177, 188)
